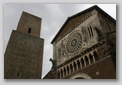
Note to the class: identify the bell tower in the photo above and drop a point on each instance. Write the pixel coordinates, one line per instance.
(24, 53)
(29, 24)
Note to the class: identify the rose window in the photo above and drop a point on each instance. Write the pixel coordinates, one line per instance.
(74, 43)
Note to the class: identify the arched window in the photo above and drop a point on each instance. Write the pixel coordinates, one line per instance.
(61, 73)
(29, 30)
(78, 63)
(74, 65)
(82, 62)
(71, 68)
(90, 31)
(91, 58)
(67, 69)
(86, 60)
(95, 56)
(64, 72)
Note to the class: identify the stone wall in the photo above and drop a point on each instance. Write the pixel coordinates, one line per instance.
(23, 57)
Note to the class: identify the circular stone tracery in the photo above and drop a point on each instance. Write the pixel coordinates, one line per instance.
(74, 42)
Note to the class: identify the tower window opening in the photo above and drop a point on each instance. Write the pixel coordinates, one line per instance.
(29, 30)
(18, 74)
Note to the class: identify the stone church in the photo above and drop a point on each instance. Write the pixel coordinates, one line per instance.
(85, 47)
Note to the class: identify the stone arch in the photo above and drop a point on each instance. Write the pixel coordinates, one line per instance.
(61, 73)
(82, 62)
(67, 69)
(64, 71)
(71, 68)
(95, 55)
(78, 64)
(74, 65)
(91, 58)
(80, 76)
(86, 60)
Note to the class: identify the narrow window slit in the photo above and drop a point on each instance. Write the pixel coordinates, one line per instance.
(91, 30)
(29, 30)
(18, 74)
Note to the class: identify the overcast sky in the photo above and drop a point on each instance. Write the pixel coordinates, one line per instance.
(53, 17)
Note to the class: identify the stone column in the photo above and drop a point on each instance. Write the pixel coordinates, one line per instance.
(93, 58)
(76, 66)
(63, 73)
(89, 59)
(59, 74)
(81, 65)
(66, 72)
(73, 68)
(69, 70)
(84, 62)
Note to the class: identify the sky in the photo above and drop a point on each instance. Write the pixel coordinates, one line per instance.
(53, 17)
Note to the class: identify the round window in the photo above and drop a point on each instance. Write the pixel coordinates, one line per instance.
(74, 42)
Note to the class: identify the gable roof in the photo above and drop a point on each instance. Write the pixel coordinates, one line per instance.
(81, 13)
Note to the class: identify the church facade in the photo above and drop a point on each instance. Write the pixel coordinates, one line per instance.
(85, 47)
